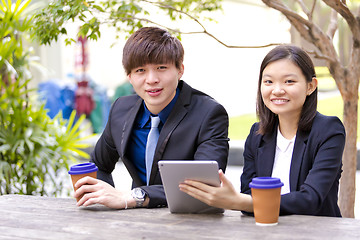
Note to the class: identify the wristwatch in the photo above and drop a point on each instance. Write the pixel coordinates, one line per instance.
(139, 196)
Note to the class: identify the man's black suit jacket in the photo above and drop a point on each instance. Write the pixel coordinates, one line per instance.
(196, 129)
(315, 166)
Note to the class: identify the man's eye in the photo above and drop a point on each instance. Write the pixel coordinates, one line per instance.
(140, 70)
(162, 67)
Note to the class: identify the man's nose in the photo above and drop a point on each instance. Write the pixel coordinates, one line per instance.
(152, 77)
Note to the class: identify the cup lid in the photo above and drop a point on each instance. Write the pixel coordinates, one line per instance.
(266, 182)
(83, 168)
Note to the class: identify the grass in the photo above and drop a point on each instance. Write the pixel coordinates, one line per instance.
(239, 126)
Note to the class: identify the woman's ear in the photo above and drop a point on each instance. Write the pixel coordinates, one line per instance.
(312, 86)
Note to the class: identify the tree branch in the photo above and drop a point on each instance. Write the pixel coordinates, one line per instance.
(344, 11)
(162, 5)
(304, 8)
(281, 7)
(319, 55)
(333, 25)
(308, 30)
(229, 46)
(313, 8)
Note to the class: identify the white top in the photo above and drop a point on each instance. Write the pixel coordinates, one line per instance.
(282, 162)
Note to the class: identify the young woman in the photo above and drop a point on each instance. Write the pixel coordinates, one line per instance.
(291, 141)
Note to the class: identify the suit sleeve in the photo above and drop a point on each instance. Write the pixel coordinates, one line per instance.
(105, 154)
(328, 144)
(249, 169)
(156, 194)
(211, 143)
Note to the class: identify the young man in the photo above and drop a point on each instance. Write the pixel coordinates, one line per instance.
(193, 126)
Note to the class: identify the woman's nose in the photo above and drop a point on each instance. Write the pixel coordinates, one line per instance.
(278, 90)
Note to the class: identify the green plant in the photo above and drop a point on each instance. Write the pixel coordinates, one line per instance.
(123, 16)
(35, 150)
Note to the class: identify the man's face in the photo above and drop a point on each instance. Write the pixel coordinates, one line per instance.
(156, 84)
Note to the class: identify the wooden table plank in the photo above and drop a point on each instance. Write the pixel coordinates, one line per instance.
(34, 217)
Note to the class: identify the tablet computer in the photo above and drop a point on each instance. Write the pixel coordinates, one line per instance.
(174, 172)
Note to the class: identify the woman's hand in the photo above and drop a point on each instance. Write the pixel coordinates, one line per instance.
(97, 191)
(224, 196)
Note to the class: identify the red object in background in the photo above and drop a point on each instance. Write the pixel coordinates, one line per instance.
(81, 57)
(84, 102)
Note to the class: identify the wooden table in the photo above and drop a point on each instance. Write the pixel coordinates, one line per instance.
(34, 217)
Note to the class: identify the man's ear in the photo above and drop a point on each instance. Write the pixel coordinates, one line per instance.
(181, 71)
(129, 78)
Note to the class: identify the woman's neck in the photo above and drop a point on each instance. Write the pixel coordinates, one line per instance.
(288, 127)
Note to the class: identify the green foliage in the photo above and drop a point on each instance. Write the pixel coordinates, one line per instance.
(34, 149)
(125, 16)
(12, 24)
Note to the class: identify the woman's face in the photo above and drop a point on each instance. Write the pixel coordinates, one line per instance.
(284, 88)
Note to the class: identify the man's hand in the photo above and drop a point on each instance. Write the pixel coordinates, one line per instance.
(97, 191)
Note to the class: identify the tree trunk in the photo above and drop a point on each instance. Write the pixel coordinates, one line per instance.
(346, 78)
(347, 181)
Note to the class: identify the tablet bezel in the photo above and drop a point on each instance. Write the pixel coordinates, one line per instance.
(174, 172)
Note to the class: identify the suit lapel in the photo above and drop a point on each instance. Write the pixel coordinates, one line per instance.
(174, 119)
(297, 158)
(177, 114)
(128, 126)
(266, 155)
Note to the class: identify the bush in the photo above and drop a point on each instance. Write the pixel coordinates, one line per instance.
(35, 150)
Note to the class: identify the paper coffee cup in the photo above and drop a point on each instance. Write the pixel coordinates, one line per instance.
(266, 194)
(81, 170)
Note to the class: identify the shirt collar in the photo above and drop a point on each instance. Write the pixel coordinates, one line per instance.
(282, 143)
(164, 114)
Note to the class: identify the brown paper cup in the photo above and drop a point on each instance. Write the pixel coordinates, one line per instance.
(266, 205)
(76, 177)
(266, 195)
(82, 170)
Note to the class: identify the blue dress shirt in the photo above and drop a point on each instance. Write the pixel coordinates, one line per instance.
(140, 131)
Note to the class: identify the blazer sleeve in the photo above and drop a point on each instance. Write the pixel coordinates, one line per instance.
(212, 143)
(156, 195)
(249, 169)
(326, 144)
(105, 154)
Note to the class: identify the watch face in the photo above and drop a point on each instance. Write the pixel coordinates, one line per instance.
(139, 193)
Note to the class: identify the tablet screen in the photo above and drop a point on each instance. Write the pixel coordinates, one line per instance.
(174, 172)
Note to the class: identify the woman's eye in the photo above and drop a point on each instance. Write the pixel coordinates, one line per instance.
(267, 81)
(140, 70)
(289, 81)
(162, 67)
